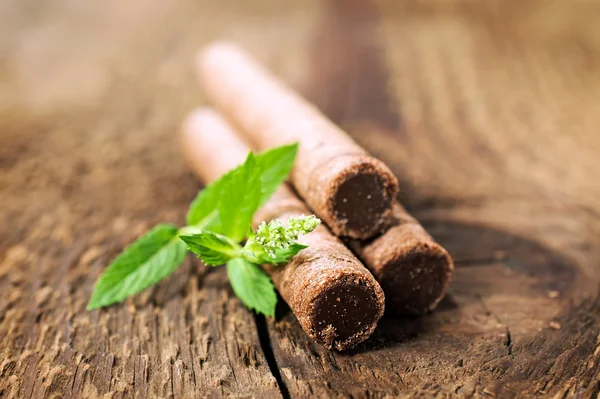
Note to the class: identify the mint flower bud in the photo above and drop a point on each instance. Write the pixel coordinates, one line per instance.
(274, 235)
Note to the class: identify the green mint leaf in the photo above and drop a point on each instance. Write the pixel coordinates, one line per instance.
(275, 165)
(256, 253)
(204, 209)
(214, 249)
(252, 285)
(240, 199)
(144, 263)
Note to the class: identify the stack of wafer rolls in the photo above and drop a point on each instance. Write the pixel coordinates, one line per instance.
(336, 299)
(352, 192)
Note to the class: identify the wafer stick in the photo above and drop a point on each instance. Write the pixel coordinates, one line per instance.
(335, 298)
(347, 188)
(413, 270)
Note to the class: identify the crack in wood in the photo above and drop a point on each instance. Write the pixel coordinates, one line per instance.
(508, 338)
(265, 344)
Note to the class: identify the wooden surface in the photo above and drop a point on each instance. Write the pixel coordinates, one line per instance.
(487, 111)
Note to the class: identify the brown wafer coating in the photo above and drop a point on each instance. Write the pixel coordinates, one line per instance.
(336, 299)
(413, 270)
(347, 188)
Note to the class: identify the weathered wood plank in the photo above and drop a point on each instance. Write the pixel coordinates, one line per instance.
(487, 112)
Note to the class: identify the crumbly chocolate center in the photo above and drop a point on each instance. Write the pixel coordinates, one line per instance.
(360, 201)
(345, 310)
(415, 282)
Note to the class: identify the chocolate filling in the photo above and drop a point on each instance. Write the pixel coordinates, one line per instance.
(360, 201)
(345, 310)
(415, 282)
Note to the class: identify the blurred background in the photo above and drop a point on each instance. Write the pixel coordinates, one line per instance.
(488, 112)
(466, 100)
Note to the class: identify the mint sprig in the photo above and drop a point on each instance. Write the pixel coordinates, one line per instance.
(218, 220)
(275, 165)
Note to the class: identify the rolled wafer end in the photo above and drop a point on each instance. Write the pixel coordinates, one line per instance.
(354, 195)
(416, 278)
(413, 270)
(337, 302)
(346, 312)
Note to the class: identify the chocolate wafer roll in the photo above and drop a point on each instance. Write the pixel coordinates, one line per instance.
(336, 299)
(413, 270)
(347, 188)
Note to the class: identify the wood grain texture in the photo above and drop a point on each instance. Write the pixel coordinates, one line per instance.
(486, 111)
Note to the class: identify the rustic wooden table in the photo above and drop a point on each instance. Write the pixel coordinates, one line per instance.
(487, 111)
